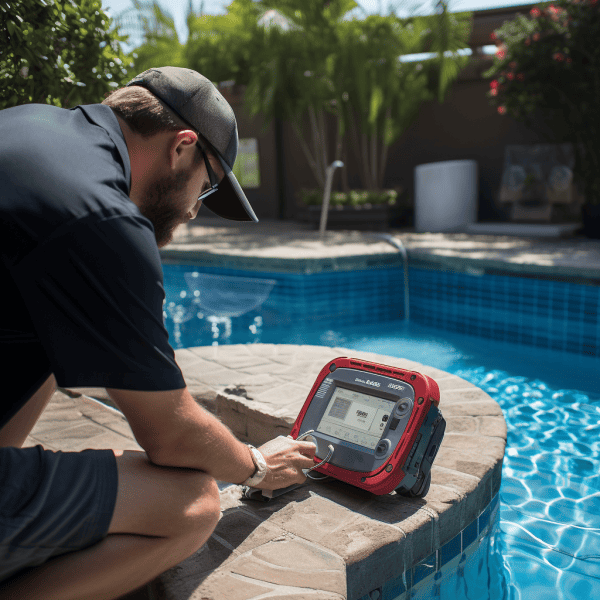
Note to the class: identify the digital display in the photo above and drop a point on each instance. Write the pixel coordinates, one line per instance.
(356, 417)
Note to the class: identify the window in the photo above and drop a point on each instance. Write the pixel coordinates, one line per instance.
(246, 168)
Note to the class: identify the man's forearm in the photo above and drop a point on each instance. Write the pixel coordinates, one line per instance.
(185, 435)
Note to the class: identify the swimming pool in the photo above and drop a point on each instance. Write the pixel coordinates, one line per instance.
(549, 530)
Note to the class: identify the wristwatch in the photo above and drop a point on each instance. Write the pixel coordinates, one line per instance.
(261, 468)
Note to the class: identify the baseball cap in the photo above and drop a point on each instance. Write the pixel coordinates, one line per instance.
(198, 102)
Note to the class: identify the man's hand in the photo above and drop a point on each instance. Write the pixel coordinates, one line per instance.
(285, 459)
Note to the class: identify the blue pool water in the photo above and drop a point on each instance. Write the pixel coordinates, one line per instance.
(549, 530)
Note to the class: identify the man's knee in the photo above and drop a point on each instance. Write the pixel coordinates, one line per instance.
(205, 510)
(199, 518)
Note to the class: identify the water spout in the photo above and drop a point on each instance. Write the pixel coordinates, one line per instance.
(399, 246)
(325, 208)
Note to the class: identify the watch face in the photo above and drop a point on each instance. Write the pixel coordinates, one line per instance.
(261, 468)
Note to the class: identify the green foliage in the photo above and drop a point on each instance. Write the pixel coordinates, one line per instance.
(222, 47)
(351, 198)
(302, 60)
(379, 96)
(548, 65)
(58, 52)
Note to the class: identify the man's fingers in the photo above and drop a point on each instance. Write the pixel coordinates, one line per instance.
(307, 448)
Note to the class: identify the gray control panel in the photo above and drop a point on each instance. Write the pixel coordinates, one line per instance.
(363, 415)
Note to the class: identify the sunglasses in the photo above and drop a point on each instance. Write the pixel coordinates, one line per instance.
(212, 176)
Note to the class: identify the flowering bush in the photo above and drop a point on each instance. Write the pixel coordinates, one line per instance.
(548, 63)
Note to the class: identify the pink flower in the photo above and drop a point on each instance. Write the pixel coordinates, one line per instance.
(535, 12)
(527, 42)
(501, 109)
(536, 37)
(493, 35)
(520, 76)
(510, 76)
(494, 92)
(494, 84)
(569, 60)
(559, 56)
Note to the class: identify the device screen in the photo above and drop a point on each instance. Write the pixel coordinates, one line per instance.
(356, 417)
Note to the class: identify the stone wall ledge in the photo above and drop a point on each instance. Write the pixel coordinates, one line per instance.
(328, 540)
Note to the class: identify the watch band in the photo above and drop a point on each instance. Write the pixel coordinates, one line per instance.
(261, 468)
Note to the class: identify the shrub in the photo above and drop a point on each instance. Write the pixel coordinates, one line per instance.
(548, 65)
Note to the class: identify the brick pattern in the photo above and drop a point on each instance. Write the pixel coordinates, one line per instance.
(324, 540)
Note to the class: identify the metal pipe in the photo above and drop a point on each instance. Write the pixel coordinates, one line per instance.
(325, 207)
(399, 246)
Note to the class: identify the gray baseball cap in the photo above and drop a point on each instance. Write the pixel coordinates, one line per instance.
(198, 102)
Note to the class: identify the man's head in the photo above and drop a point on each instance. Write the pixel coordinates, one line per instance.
(182, 140)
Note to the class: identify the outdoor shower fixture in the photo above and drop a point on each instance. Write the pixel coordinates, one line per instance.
(325, 208)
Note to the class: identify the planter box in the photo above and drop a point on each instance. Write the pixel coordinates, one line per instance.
(363, 218)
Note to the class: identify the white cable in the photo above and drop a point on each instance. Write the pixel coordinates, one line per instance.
(326, 459)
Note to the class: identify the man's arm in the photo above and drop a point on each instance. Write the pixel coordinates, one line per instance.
(176, 432)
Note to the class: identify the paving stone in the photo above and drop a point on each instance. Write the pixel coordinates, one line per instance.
(189, 361)
(218, 585)
(293, 562)
(244, 530)
(475, 444)
(461, 396)
(98, 413)
(460, 424)
(454, 459)
(447, 384)
(492, 426)
(483, 407)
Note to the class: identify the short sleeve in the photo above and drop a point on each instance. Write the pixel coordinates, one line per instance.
(95, 295)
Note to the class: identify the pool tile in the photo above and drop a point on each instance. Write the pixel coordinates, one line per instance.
(484, 519)
(494, 503)
(424, 569)
(469, 535)
(451, 549)
(393, 588)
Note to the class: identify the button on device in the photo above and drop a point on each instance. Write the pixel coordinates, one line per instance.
(394, 423)
(403, 408)
(383, 448)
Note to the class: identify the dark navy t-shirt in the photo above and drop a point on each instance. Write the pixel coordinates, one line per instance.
(81, 278)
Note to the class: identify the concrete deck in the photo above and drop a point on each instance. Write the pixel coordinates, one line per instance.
(275, 241)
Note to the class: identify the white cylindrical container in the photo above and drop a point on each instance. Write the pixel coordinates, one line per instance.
(445, 195)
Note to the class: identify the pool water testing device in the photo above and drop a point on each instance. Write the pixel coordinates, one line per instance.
(375, 427)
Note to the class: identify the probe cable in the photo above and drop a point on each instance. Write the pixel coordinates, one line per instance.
(326, 459)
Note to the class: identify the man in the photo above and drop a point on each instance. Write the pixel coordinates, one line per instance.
(87, 196)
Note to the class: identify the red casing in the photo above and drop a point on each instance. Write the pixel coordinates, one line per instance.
(380, 481)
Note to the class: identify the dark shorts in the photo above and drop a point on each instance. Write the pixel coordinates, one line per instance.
(52, 503)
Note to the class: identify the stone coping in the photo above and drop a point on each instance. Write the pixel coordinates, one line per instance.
(283, 246)
(324, 540)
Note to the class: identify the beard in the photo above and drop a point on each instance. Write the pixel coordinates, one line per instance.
(164, 205)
